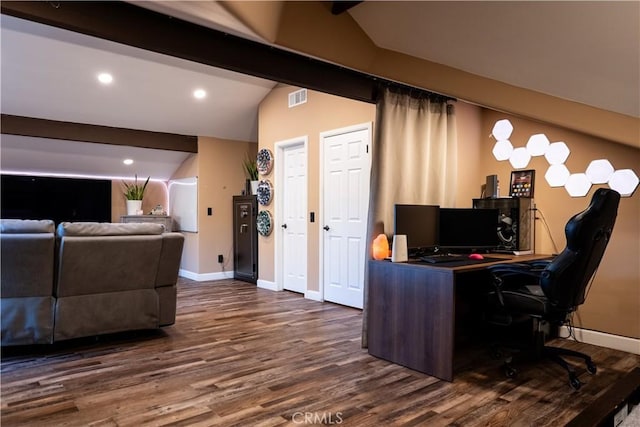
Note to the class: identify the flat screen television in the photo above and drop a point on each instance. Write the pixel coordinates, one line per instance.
(468, 229)
(58, 199)
(420, 224)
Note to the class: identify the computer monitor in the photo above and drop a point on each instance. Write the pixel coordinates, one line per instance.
(468, 229)
(419, 223)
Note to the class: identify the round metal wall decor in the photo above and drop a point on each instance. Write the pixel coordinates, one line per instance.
(264, 161)
(265, 192)
(264, 223)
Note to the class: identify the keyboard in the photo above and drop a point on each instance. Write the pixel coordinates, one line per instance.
(436, 259)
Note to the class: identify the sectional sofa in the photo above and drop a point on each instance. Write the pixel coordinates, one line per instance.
(85, 279)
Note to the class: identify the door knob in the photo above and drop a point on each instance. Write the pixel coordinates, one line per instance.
(326, 227)
(284, 226)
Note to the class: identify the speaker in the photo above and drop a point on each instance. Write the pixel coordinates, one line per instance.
(491, 187)
(399, 248)
(515, 222)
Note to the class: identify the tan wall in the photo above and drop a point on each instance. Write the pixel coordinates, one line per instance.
(221, 176)
(276, 123)
(469, 176)
(218, 166)
(613, 302)
(155, 194)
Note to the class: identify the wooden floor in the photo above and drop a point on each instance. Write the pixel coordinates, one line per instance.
(242, 356)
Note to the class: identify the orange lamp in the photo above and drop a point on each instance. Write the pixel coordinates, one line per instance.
(380, 247)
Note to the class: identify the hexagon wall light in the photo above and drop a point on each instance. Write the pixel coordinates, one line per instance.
(502, 150)
(519, 158)
(537, 145)
(624, 181)
(557, 175)
(557, 153)
(577, 185)
(502, 129)
(599, 171)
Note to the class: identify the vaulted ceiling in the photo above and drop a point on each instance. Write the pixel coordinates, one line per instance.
(585, 52)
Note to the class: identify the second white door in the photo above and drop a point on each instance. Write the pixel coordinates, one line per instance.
(346, 166)
(294, 218)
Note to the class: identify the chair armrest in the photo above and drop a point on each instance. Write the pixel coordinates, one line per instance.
(512, 275)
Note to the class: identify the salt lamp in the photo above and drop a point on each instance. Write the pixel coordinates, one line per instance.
(380, 247)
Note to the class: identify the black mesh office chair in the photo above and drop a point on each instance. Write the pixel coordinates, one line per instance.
(550, 291)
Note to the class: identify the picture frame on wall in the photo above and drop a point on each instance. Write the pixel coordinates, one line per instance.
(522, 183)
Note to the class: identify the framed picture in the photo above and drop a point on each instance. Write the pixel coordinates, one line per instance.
(522, 183)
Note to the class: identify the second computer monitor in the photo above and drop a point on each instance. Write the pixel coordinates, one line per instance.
(468, 229)
(419, 223)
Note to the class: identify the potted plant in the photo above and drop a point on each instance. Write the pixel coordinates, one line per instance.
(134, 194)
(251, 170)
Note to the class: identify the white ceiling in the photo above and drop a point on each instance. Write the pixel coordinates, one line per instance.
(584, 51)
(52, 73)
(588, 52)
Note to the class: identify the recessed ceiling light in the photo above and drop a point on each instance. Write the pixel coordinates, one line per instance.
(105, 78)
(128, 161)
(199, 93)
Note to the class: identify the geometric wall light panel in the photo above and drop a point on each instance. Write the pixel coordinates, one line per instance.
(557, 175)
(578, 185)
(519, 158)
(537, 144)
(502, 130)
(599, 171)
(624, 181)
(502, 150)
(557, 153)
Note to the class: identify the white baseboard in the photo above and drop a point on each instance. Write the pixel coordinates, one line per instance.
(265, 284)
(313, 295)
(616, 342)
(202, 277)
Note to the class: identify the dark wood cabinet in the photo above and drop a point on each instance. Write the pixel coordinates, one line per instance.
(245, 238)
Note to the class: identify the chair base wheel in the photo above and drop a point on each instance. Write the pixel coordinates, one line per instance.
(591, 368)
(510, 371)
(574, 382)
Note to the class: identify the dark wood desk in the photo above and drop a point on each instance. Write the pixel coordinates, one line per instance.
(418, 311)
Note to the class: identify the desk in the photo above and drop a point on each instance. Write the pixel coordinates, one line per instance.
(418, 311)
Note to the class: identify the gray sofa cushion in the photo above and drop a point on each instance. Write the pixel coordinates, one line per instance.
(30, 226)
(27, 320)
(88, 315)
(90, 265)
(108, 229)
(26, 262)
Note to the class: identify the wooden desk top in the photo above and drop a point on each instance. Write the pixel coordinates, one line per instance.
(503, 258)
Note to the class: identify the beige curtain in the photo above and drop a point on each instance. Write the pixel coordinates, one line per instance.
(414, 161)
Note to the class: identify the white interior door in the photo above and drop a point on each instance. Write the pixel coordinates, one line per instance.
(294, 218)
(346, 166)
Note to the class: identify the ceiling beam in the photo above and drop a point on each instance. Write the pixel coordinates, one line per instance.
(135, 26)
(53, 129)
(338, 7)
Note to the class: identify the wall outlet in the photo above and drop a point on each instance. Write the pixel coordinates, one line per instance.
(220, 259)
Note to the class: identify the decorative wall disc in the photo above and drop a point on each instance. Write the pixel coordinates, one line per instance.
(264, 161)
(265, 192)
(264, 223)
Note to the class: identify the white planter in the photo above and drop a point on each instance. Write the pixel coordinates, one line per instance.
(254, 187)
(134, 207)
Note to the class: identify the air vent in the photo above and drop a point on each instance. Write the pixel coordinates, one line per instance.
(298, 97)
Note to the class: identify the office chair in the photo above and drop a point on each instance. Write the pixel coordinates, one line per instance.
(548, 292)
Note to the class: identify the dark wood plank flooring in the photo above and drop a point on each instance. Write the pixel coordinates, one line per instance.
(243, 356)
